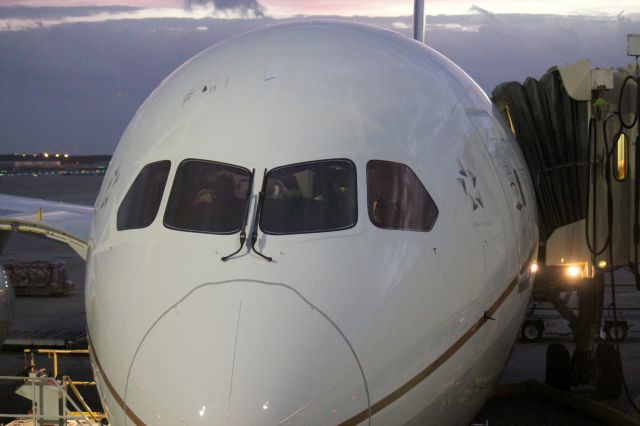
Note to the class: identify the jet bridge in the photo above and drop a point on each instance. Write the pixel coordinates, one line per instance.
(578, 128)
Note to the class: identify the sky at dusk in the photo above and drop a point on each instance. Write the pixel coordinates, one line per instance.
(74, 72)
(282, 8)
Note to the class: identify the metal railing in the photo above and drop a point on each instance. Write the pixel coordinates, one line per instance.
(37, 384)
(53, 353)
(65, 388)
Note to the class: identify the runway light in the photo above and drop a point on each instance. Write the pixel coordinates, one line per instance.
(573, 271)
(66, 156)
(265, 406)
(57, 155)
(46, 155)
(602, 264)
(202, 410)
(534, 268)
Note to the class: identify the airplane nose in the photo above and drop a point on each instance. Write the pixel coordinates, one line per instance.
(245, 353)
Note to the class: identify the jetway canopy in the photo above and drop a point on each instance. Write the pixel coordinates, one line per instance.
(552, 129)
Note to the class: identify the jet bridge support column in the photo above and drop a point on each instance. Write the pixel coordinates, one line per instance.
(587, 327)
(578, 128)
(4, 238)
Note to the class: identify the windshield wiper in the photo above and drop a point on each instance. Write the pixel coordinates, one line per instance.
(256, 222)
(243, 234)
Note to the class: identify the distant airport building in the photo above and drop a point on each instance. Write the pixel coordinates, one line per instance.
(35, 164)
(61, 164)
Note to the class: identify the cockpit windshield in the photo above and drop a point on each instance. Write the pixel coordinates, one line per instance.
(208, 197)
(317, 196)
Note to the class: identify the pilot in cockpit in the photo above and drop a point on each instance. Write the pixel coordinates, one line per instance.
(205, 196)
(215, 202)
(214, 188)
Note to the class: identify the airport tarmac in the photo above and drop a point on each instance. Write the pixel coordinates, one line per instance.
(64, 318)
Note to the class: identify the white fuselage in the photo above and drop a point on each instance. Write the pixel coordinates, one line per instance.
(403, 326)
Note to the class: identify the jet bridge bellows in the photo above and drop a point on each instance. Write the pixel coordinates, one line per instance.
(551, 128)
(578, 129)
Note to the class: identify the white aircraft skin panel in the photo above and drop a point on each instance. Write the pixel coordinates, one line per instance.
(263, 310)
(406, 307)
(474, 381)
(487, 268)
(295, 77)
(322, 124)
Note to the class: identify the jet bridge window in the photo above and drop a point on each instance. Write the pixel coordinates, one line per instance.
(140, 206)
(397, 199)
(620, 167)
(208, 197)
(317, 196)
(506, 113)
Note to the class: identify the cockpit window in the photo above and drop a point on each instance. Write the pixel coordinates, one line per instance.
(397, 199)
(208, 197)
(140, 206)
(317, 196)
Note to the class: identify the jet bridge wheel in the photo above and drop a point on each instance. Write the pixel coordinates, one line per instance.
(615, 331)
(558, 366)
(608, 371)
(532, 331)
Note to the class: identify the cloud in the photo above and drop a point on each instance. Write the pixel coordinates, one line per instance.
(16, 18)
(75, 86)
(15, 12)
(24, 18)
(518, 46)
(400, 25)
(247, 7)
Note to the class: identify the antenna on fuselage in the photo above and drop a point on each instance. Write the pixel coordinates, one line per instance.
(418, 20)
